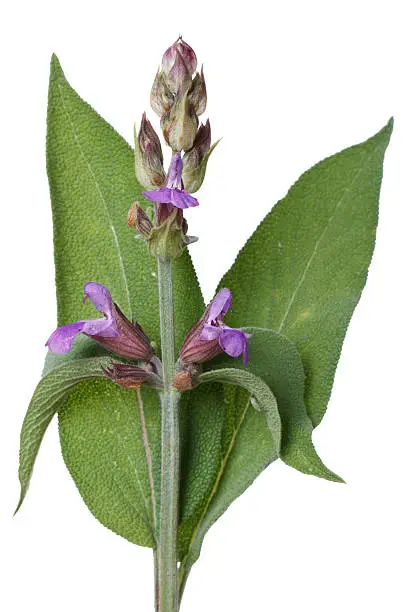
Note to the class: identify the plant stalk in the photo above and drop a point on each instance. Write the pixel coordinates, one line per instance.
(170, 456)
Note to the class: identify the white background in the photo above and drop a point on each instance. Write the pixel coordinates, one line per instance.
(289, 83)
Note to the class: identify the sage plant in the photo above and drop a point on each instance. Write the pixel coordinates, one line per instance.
(168, 409)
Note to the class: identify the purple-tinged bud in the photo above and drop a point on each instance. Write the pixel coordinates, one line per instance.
(198, 93)
(138, 220)
(148, 156)
(180, 125)
(161, 98)
(182, 50)
(178, 79)
(195, 160)
(125, 375)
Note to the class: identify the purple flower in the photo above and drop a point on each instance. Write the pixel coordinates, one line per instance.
(113, 331)
(211, 335)
(173, 193)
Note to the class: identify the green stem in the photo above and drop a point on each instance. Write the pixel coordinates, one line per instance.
(167, 547)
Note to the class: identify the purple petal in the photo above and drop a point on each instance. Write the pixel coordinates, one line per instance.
(210, 332)
(182, 199)
(175, 171)
(220, 305)
(100, 297)
(234, 342)
(176, 197)
(61, 340)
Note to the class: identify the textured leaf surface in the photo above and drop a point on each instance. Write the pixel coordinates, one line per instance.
(47, 398)
(101, 434)
(276, 360)
(303, 270)
(92, 183)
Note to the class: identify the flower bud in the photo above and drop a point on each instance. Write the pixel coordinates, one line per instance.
(161, 98)
(125, 375)
(178, 79)
(180, 49)
(195, 160)
(138, 220)
(180, 125)
(148, 156)
(198, 93)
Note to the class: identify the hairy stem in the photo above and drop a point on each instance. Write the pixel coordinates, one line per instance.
(167, 547)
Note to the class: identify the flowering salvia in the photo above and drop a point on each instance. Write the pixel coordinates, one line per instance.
(169, 438)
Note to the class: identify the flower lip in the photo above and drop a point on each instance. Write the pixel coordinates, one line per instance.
(173, 193)
(176, 197)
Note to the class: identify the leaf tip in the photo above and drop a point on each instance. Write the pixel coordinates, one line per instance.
(55, 65)
(20, 502)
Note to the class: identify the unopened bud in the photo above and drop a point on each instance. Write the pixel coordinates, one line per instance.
(179, 52)
(161, 98)
(148, 156)
(138, 220)
(198, 93)
(180, 125)
(125, 375)
(195, 160)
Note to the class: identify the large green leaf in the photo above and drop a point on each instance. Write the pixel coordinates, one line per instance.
(92, 183)
(46, 400)
(210, 444)
(303, 270)
(275, 359)
(246, 449)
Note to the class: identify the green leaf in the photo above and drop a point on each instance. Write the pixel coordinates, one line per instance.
(243, 446)
(92, 183)
(101, 430)
(259, 393)
(276, 360)
(303, 270)
(47, 398)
